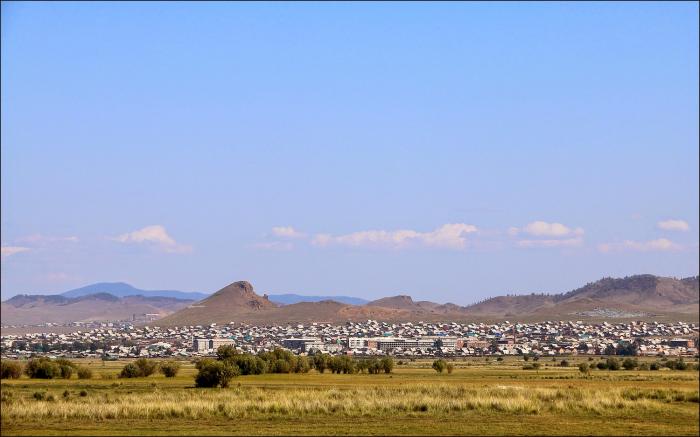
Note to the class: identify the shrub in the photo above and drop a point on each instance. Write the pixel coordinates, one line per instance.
(583, 368)
(654, 366)
(66, 367)
(83, 393)
(130, 370)
(564, 363)
(528, 367)
(630, 363)
(439, 365)
(170, 368)
(84, 372)
(644, 366)
(536, 366)
(42, 368)
(66, 394)
(10, 369)
(526, 357)
(602, 365)
(39, 395)
(215, 373)
(613, 363)
(499, 359)
(146, 367)
(450, 368)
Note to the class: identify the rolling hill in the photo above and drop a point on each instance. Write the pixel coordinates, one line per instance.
(34, 309)
(122, 289)
(641, 296)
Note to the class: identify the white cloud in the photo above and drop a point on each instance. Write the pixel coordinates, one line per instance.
(155, 235)
(450, 235)
(39, 238)
(660, 244)
(567, 242)
(282, 246)
(544, 229)
(287, 232)
(6, 251)
(558, 235)
(673, 225)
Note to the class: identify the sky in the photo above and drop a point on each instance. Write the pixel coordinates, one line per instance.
(450, 151)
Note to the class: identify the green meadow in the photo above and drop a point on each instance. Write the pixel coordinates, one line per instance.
(478, 397)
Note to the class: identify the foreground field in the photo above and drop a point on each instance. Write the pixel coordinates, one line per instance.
(478, 398)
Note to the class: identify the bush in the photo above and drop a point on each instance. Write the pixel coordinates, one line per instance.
(10, 369)
(146, 367)
(602, 365)
(83, 393)
(536, 366)
(440, 365)
(583, 368)
(39, 395)
(215, 373)
(630, 363)
(42, 368)
(528, 367)
(564, 363)
(66, 394)
(450, 368)
(66, 367)
(654, 366)
(613, 363)
(499, 359)
(130, 370)
(170, 368)
(84, 372)
(644, 366)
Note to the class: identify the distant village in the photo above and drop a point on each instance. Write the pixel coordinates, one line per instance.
(370, 338)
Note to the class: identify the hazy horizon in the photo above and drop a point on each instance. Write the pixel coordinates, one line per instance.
(451, 152)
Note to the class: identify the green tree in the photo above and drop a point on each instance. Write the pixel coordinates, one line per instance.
(321, 362)
(214, 373)
(387, 364)
(226, 352)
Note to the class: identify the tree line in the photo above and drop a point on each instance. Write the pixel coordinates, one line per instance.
(230, 363)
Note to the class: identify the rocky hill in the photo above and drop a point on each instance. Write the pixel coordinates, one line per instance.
(641, 296)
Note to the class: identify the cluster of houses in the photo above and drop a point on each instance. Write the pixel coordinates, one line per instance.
(123, 340)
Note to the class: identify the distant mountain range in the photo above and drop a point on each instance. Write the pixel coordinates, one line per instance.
(35, 309)
(122, 289)
(288, 299)
(639, 296)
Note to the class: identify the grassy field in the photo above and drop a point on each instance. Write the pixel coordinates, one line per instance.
(480, 397)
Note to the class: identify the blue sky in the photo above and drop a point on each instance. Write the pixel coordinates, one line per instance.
(451, 151)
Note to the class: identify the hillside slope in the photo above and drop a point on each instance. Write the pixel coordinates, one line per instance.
(635, 296)
(34, 309)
